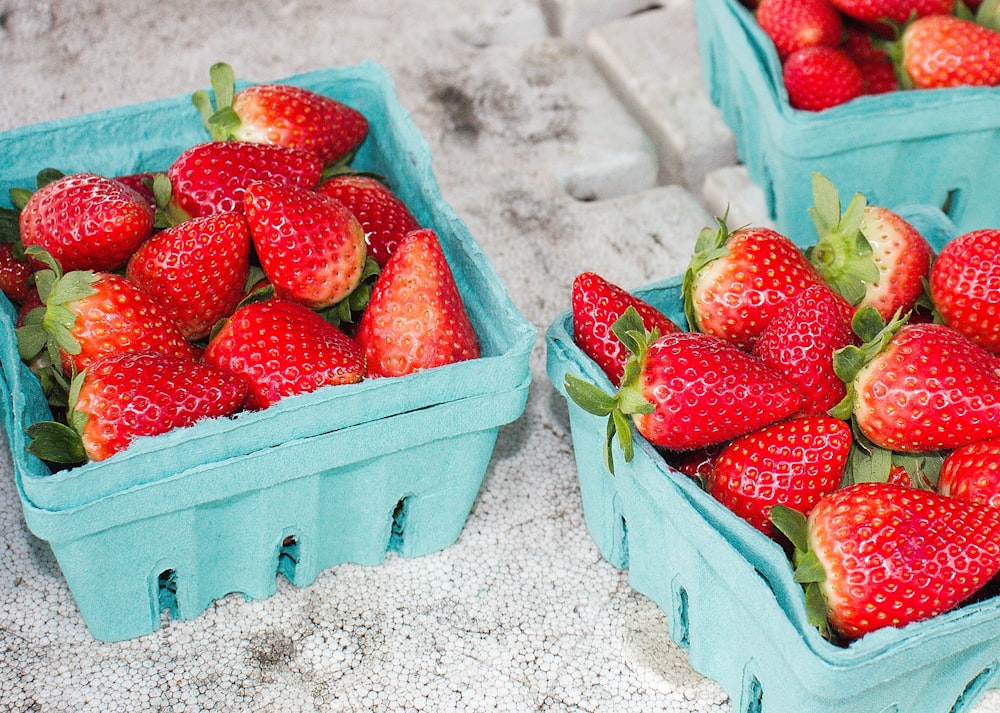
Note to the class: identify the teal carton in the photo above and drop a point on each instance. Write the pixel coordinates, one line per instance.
(932, 147)
(343, 474)
(727, 590)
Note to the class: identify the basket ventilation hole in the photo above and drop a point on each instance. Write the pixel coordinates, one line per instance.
(288, 557)
(754, 696)
(624, 544)
(398, 525)
(975, 688)
(681, 624)
(166, 589)
(952, 203)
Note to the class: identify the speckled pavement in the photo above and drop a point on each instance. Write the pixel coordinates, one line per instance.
(570, 136)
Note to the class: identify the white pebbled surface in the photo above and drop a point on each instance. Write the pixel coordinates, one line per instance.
(570, 135)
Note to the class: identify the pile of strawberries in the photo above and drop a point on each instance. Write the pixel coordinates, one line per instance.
(256, 266)
(833, 51)
(844, 400)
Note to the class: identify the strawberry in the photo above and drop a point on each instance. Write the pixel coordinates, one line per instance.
(947, 51)
(972, 473)
(596, 305)
(820, 77)
(415, 318)
(120, 397)
(685, 390)
(141, 183)
(384, 216)
(310, 246)
(800, 342)
(86, 222)
(736, 282)
(696, 464)
(877, 555)
(282, 115)
(792, 463)
(282, 348)
(89, 314)
(15, 274)
(794, 24)
(965, 286)
(195, 270)
(212, 177)
(869, 254)
(918, 387)
(896, 11)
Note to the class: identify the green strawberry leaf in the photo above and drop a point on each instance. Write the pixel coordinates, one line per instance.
(219, 118)
(56, 442)
(866, 462)
(792, 524)
(710, 246)
(988, 14)
(589, 396)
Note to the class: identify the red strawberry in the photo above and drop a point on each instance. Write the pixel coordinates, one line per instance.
(965, 286)
(86, 222)
(685, 390)
(15, 272)
(800, 342)
(196, 270)
(736, 282)
(280, 114)
(383, 215)
(89, 314)
(794, 24)
(212, 177)
(310, 246)
(415, 318)
(884, 555)
(879, 75)
(870, 254)
(282, 348)
(947, 51)
(141, 183)
(696, 464)
(597, 305)
(897, 11)
(817, 78)
(123, 396)
(919, 387)
(791, 463)
(972, 473)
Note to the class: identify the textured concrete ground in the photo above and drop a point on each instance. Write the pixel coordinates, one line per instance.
(570, 136)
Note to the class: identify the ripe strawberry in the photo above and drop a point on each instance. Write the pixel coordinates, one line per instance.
(383, 215)
(282, 348)
(596, 306)
(89, 314)
(817, 78)
(883, 555)
(800, 342)
(280, 114)
(794, 24)
(141, 183)
(415, 318)
(212, 177)
(918, 387)
(791, 463)
(965, 286)
(696, 464)
(123, 396)
(195, 270)
(897, 11)
(947, 51)
(310, 246)
(879, 75)
(972, 473)
(736, 282)
(86, 222)
(869, 254)
(15, 273)
(685, 390)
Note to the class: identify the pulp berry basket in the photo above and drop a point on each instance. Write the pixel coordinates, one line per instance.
(932, 147)
(727, 590)
(343, 474)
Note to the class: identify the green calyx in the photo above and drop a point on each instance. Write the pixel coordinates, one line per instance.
(219, 118)
(988, 15)
(842, 254)
(808, 570)
(712, 244)
(629, 400)
(61, 443)
(849, 361)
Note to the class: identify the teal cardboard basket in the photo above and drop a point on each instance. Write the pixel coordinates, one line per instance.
(343, 474)
(727, 590)
(932, 147)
